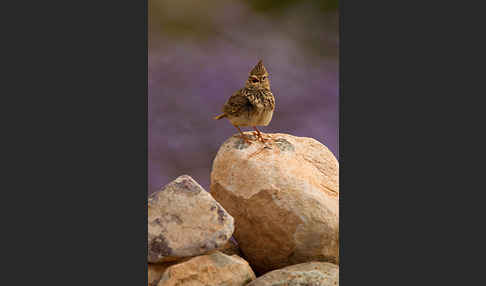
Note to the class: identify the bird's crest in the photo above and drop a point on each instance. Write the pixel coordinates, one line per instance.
(259, 69)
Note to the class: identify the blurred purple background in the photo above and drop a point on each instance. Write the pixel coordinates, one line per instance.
(200, 52)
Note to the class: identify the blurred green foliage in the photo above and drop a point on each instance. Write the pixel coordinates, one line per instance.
(273, 5)
(311, 24)
(198, 18)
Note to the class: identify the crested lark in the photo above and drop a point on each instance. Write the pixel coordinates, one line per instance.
(252, 105)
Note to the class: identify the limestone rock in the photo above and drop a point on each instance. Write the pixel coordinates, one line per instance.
(284, 198)
(214, 269)
(304, 274)
(184, 220)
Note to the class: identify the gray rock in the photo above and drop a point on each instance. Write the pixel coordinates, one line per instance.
(184, 220)
(304, 274)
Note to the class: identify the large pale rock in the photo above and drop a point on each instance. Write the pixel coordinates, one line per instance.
(184, 220)
(304, 274)
(284, 198)
(214, 269)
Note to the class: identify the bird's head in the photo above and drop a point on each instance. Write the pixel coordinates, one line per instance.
(258, 77)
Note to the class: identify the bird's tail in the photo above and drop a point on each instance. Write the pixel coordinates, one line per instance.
(219, 116)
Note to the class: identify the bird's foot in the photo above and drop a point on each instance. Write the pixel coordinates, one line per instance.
(269, 139)
(259, 137)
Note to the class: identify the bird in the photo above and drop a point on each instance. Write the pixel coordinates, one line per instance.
(252, 105)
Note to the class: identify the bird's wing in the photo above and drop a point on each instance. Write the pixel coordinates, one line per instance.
(236, 104)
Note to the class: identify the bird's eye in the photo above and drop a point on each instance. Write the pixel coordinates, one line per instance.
(254, 80)
(264, 78)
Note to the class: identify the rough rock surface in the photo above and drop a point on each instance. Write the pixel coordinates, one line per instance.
(184, 220)
(284, 198)
(304, 274)
(214, 269)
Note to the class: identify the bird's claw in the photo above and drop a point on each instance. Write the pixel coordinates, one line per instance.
(259, 137)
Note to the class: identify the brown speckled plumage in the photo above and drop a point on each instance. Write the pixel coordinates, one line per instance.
(252, 105)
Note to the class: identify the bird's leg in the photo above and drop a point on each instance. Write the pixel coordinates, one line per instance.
(243, 135)
(259, 134)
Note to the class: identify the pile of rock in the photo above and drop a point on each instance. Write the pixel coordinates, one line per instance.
(280, 200)
(186, 228)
